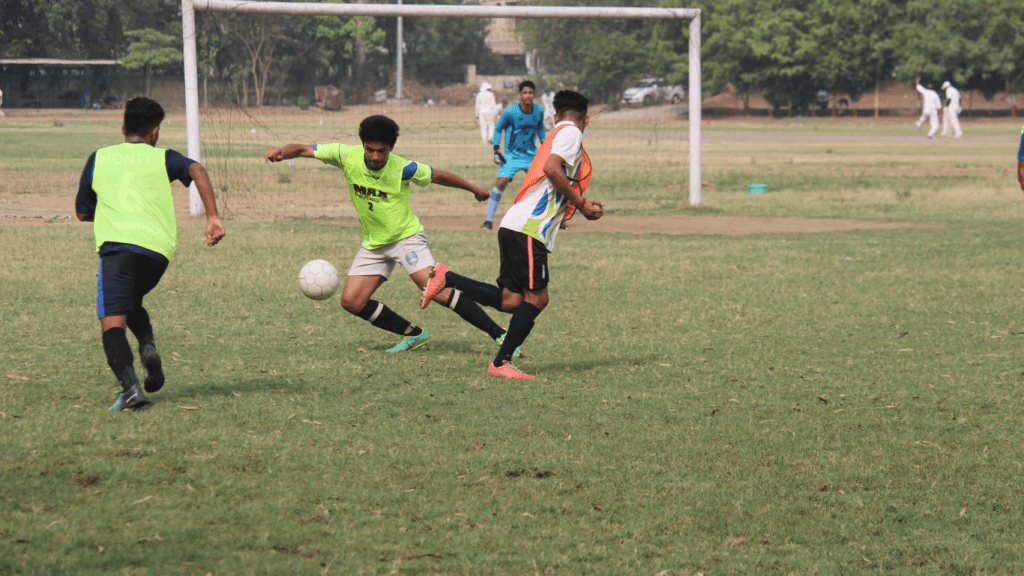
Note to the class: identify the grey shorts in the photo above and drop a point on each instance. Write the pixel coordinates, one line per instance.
(412, 253)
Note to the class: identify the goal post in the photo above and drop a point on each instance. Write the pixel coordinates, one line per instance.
(189, 7)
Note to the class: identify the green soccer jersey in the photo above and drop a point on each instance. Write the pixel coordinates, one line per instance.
(381, 197)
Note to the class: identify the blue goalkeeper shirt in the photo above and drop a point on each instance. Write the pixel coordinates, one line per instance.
(522, 131)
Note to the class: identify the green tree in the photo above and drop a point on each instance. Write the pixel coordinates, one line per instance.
(151, 48)
(856, 44)
(61, 28)
(976, 44)
(597, 56)
(761, 46)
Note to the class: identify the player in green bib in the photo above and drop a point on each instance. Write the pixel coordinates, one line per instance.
(125, 190)
(378, 182)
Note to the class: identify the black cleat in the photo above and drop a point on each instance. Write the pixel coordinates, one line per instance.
(487, 225)
(154, 368)
(132, 399)
(131, 396)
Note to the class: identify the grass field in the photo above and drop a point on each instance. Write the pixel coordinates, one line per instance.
(834, 403)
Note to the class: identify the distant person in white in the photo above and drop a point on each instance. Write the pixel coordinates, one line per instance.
(547, 101)
(485, 109)
(951, 113)
(929, 109)
(1, 103)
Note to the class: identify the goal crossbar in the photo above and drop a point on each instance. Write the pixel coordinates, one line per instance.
(189, 7)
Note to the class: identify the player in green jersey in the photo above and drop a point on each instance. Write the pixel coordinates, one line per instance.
(125, 190)
(378, 182)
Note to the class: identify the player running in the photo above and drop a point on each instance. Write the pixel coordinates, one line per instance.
(552, 191)
(126, 191)
(523, 127)
(378, 182)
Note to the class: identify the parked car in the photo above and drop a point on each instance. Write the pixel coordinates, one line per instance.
(652, 91)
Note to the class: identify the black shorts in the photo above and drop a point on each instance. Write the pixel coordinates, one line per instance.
(123, 279)
(524, 262)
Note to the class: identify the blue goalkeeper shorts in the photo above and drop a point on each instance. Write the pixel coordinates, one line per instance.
(513, 165)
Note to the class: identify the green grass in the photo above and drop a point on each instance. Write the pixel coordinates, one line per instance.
(833, 403)
(750, 408)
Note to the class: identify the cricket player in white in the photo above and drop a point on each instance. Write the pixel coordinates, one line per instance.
(951, 115)
(485, 108)
(929, 109)
(547, 101)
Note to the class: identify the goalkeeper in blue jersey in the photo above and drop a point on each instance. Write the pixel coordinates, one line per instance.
(523, 127)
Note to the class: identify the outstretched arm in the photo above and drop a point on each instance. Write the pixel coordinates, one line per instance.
(1020, 173)
(590, 209)
(214, 227)
(275, 154)
(455, 181)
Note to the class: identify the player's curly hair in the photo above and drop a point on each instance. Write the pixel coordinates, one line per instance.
(142, 115)
(527, 84)
(571, 101)
(378, 129)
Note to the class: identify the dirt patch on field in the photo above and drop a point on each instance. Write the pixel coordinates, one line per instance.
(725, 225)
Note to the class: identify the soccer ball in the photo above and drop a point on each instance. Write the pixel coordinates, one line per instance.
(318, 279)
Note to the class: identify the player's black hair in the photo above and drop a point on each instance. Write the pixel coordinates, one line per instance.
(378, 129)
(572, 101)
(527, 83)
(142, 115)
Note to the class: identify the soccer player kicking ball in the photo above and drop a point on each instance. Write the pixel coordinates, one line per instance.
(552, 191)
(126, 191)
(378, 182)
(523, 126)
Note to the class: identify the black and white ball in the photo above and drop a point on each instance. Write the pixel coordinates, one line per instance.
(318, 279)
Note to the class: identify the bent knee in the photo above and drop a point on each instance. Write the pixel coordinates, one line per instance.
(352, 306)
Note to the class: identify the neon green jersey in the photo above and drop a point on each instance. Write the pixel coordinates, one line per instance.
(134, 202)
(381, 197)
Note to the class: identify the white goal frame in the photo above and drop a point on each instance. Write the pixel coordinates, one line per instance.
(188, 20)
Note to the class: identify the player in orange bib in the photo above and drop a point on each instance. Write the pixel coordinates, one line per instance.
(552, 191)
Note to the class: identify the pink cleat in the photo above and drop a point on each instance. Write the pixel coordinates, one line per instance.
(436, 283)
(508, 370)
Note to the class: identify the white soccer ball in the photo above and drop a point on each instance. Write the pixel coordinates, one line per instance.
(318, 279)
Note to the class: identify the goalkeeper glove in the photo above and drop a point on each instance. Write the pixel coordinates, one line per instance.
(498, 158)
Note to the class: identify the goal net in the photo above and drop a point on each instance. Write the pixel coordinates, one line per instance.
(646, 157)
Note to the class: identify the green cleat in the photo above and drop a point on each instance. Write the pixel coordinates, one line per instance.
(501, 340)
(411, 342)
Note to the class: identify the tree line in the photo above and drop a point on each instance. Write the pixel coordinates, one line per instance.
(791, 49)
(776, 48)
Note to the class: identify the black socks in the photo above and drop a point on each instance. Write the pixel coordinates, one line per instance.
(469, 311)
(385, 318)
(518, 329)
(119, 357)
